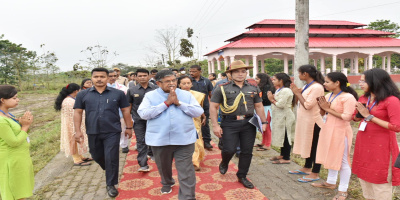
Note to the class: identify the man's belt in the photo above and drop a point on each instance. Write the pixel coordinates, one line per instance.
(237, 117)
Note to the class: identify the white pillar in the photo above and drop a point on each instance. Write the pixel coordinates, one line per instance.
(285, 64)
(212, 66)
(209, 66)
(334, 63)
(356, 64)
(344, 71)
(218, 65)
(383, 62)
(262, 66)
(342, 64)
(328, 70)
(232, 59)
(315, 62)
(351, 65)
(365, 63)
(388, 63)
(255, 68)
(247, 62)
(226, 62)
(323, 65)
(370, 61)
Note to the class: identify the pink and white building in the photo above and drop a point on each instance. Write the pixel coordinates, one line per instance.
(338, 40)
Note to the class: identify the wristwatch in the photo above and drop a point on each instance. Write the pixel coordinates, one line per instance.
(264, 122)
(369, 118)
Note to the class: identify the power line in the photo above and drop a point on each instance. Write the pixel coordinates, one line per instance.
(194, 19)
(206, 12)
(205, 24)
(357, 9)
(218, 34)
(242, 19)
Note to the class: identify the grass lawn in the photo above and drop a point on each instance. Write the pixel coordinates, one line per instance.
(44, 133)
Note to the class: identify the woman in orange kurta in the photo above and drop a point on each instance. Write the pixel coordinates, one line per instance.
(336, 134)
(309, 121)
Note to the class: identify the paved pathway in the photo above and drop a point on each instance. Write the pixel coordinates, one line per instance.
(276, 183)
(61, 180)
(66, 181)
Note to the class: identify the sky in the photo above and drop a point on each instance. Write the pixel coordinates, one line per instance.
(129, 27)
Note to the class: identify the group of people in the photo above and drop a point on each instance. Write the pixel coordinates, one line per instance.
(169, 111)
(322, 134)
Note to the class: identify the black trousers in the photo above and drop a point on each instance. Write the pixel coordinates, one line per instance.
(149, 151)
(235, 131)
(310, 161)
(140, 131)
(104, 149)
(205, 130)
(285, 150)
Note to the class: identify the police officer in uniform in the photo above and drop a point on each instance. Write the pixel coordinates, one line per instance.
(237, 99)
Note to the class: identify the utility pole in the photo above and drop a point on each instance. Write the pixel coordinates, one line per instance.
(301, 55)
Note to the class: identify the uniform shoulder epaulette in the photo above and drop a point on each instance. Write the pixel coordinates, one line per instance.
(224, 83)
(252, 82)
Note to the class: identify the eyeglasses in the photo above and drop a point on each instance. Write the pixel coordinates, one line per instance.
(361, 81)
(113, 76)
(170, 81)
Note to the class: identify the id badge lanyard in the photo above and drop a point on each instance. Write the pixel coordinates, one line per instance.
(305, 88)
(278, 91)
(364, 123)
(329, 100)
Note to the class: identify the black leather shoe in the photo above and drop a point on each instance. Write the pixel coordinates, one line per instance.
(125, 150)
(223, 168)
(237, 154)
(112, 191)
(246, 183)
(207, 145)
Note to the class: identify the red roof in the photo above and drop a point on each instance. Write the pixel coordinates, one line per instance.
(320, 31)
(313, 32)
(311, 23)
(289, 42)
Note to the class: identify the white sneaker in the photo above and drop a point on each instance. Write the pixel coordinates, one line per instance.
(144, 169)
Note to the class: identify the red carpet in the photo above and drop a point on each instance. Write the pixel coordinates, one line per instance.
(211, 184)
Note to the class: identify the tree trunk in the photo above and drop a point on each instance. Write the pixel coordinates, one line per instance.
(301, 54)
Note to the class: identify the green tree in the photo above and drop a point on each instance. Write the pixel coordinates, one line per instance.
(385, 25)
(186, 48)
(189, 32)
(48, 60)
(6, 70)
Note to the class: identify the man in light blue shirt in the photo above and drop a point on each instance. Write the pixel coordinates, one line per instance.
(171, 132)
